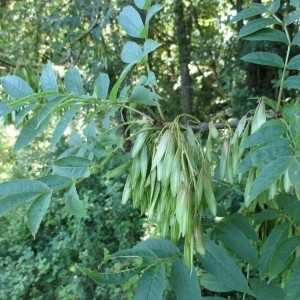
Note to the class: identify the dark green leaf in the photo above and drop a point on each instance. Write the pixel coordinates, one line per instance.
(72, 166)
(73, 82)
(162, 248)
(294, 63)
(112, 278)
(295, 2)
(73, 204)
(131, 22)
(17, 192)
(250, 11)
(56, 182)
(292, 82)
(291, 206)
(220, 265)
(264, 58)
(245, 165)
(263, 290)
(273, 6)
(275, 238)
(184, 282)
(296, 39)
(282, 256)
(152, 11)
(292, 289)
(48, 80)
(151, 285)
(255, 25)
(266, 215)
(267, 132)
(102, 85)
(63, 124)
(132, 53)
(16, 86)
(267, 34)
(211, 283)
(37, 212)
(141, 95)
(292, 17)
(270, 174)
(294, 172)
(213, 298)
(237, 241)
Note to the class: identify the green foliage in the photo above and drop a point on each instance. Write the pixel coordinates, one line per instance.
(249, 251)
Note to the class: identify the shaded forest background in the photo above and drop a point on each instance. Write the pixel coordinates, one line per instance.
(198, 70)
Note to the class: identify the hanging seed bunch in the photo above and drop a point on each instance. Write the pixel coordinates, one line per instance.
(170, 180)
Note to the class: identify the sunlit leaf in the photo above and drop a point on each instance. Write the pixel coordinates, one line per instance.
(73, 204)
(48, 80)
(132, 53)
(16, 86)
(17, 192)
(141, 95)
(152, 11)
(143, 4)
(37, 212)
(248, 12)
(295, 2)
(263, 290)
(255, 25)
(278, 234)
(73, 82)
(220, 265)
(150, 46)
(72, 166)
(264, 58)
(102, 85)
(151, 284)
(131, 22)
(184, 282)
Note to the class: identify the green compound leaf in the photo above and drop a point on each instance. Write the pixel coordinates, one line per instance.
(56, 182)
(255, 25)
(294, 63)
(73, 204)
(282, 256)
(292, 82)
(250, 11)
(150, 46)
(273, 6)
(112, 278)
(151, 285)
(292, 290)
(184, 282)
(220, 265)
(131, 22)
(264, 58)
(292, 17)
(269, 175)
(152, 11)
(49, 80)
(72, 167)
(15, 86)
(132, 53)
(294, 172)
(275, 238)
(141, 95)
(17, 192)
(102, 85)
(73, 82)
(211, 283)
(267, 34)
(263, 290)
(37, 212)
(296, 39)
(143, 4)
(266, 215)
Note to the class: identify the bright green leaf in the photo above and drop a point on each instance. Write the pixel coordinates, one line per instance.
(112, 278)
(184, 282)
(292, 17)
(263, 290)
(162, 248)
(294, 172)
(37, 212)
(220, 265)
(141, 95)
(269, 175)
(267, 34)
(73, 204)
(143, 4)
(17, 192)
(102, 85)
(132, 53)
(292, 289)
(278, 234)
(48, 80)
(131, 22)
(255, 25)
(211, 283)
(73, 82)
(152, 11)
(150, 46)
(72, 166)
(282, 256)
(295, 2)
(292, 82)
(151, 284)
(15, 86)
(264, 58)
(250, 11)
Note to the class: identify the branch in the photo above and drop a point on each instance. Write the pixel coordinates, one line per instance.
(203, 127)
